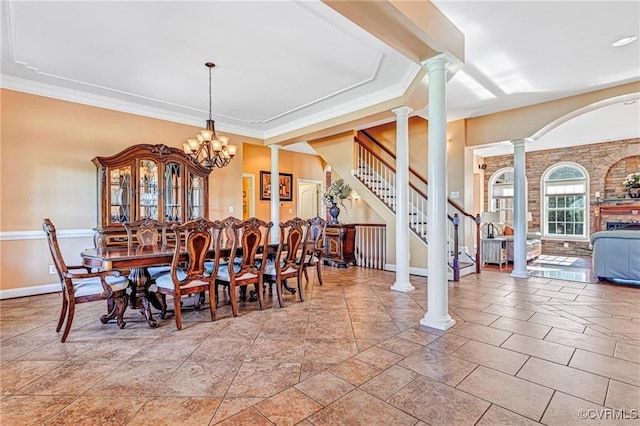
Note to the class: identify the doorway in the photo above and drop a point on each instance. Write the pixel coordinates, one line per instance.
(308, 198)
(248, 195)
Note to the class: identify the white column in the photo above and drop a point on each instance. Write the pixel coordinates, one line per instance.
(519, 210)
(275, 193)
(402, 200)
(437, 315)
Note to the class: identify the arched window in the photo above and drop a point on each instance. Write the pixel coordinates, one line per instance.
(564, 195)
(501, 194)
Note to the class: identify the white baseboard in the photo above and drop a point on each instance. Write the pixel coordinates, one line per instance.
(413, 271)
(29, 291)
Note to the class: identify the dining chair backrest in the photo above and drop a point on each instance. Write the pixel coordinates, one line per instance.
(292, 239)
(227, 234)
(147, 232)
(196, 238)
(252, 237)
(54, 248)
(316, 229)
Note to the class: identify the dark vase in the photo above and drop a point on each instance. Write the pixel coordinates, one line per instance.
(634, 192)
(334, 211)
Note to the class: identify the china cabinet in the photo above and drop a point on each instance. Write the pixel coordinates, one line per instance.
(154, 181)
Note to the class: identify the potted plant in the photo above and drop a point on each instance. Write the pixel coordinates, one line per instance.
(336, 193)
(632, 182)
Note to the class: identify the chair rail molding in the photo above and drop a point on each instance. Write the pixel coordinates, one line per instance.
(39, 235)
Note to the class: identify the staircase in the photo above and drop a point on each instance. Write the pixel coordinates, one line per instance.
(375, 169)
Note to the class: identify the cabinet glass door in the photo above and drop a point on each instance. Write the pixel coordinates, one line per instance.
(194, 196)
(120, 194)
(148, 189)
(174, 194)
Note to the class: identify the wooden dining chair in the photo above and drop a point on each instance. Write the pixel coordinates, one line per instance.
(80, 287)
(148, 232)
(289, 259)
(196, 238)
(315, 233)
(251, 238)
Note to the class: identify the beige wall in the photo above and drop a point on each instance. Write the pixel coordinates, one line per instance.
(301, 166)
(46, 171)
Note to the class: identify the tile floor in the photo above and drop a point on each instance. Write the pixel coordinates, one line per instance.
(522, 352)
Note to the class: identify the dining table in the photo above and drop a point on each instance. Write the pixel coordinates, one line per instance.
(137, 259)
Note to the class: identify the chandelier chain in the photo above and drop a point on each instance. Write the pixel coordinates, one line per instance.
(210, 93)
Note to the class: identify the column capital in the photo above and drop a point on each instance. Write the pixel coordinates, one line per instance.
(521, 142)
(440, 61)
(275, 147)
(402, 111)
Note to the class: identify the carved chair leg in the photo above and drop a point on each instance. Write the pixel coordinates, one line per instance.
(306, 275)
(162, 299)
(279, 285)
(63, 312)
(232, 296)
(67, 328)
(299, 277)
(121, 304)
(212, 303)
(319, 271)
(260, 295)
(177, 310)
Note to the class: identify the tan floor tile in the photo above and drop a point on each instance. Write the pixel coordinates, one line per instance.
(618, 369)
(481, 333)
(467, 303)
(491, 356)
(623, 396)
(348, 410)
(288, 407)
(72, 378)
(389, 382)
(379, 357)
(206, 379)
(369, 315)
(31, 410)
(539, 348)
(400, 346)
(311, 368)
(448, 343)
(354, 371)
(512, 393)
(17, 374)
(216, 349)
(470, 315)
(555, 321)
(521, 327)
(173, 410)
(508, 312)
(328, 314)
(280, 350)
(565, 379)
(330, 330)
(415, 335)
(566, 410)
(582, 341)
(628, 351)
(438, 404)
(263, 379)
(231, 406)
(250, 416)
(438, 365)
(510, 303)
(329, 350)
(374, 330)
(324, 387)
(85, 410)
(499, 416)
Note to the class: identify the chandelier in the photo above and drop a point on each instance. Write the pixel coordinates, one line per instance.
(207, 148)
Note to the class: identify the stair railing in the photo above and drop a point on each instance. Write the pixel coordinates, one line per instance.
(375, 168)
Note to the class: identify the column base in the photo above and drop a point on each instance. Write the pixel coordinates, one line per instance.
(402, 287)
(519, 274)
(437, 322)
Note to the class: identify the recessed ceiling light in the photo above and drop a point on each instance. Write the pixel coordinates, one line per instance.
(624, 41)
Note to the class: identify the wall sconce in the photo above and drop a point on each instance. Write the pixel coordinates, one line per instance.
(355, 196)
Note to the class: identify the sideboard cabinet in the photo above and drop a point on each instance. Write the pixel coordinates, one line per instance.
(340, 245)
(154, 181)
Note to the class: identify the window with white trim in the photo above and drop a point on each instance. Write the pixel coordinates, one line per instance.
(564, 189)
(501, 196)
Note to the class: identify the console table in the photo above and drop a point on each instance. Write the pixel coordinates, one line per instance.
(494, 250)
(339, 245)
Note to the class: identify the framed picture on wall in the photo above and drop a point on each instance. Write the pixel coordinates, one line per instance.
(285, 186)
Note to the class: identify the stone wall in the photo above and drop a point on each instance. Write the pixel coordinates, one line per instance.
(607, 163)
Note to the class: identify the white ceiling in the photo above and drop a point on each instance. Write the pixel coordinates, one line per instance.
(283, 65)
